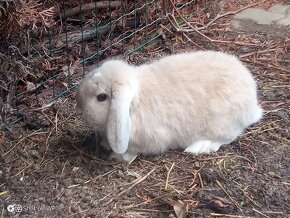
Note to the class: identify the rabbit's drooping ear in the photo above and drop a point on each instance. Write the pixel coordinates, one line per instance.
(119, 123)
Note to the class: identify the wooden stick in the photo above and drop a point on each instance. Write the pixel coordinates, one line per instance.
(90, 6)
(76, 36)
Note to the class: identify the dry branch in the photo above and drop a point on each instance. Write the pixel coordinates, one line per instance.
(73, 37)
(90, 6)
(70, 38)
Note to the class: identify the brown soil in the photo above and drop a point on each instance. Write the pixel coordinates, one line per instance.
(49, 163)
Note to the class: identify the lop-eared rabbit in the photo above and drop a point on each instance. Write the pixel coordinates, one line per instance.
(194, 101)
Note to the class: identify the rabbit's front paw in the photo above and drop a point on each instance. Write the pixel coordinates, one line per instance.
(125, 158)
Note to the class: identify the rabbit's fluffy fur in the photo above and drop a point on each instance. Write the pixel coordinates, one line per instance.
(195, 101)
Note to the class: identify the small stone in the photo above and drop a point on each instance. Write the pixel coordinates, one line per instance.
(258, 15)
(41, 199)
(285, 21)
(35, 153)
(94, 203)
(279, 8)
(78, 180)
(75, 169)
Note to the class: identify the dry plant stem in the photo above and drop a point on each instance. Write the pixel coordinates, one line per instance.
(259, 212)
(273, 212)
(192, 184)
(2, 213)
(193, 28)
(174, 23)
(250, 199)
(140, 204)
(189, 39)
(22, 170)
(258, 52)
(153, 210)
(167, 176)
(225, 215)
(200, 180)
(19, 142)
(44, 106)
(47, 161)
(135, 205)
(90, 6)
(267, 66)
(213, 158)
(236, 204)
(130, 187)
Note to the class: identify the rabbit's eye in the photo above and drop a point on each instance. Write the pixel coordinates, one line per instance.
(101, 97)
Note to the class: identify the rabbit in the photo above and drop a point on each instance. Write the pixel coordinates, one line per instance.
(194, 101)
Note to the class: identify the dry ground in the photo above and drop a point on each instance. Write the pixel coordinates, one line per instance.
(51, 167)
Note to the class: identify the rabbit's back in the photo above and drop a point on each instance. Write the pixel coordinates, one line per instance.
(192, 96)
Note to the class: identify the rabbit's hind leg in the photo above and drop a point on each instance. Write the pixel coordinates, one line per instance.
(203, 146)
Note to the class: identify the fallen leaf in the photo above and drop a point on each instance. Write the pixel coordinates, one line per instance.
(274, 175)
(65, 84)
(220, 205)
(180, 209)
(3, 193)
(30, 86)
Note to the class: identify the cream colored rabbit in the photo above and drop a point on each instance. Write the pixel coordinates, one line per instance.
(196, 101)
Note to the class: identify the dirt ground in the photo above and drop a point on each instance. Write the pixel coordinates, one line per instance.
(51, 167)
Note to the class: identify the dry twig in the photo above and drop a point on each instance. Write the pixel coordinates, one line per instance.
(130, 187)
(167, 176)
(220, 185)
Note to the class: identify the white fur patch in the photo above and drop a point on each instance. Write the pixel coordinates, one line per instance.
(203, 146)
(97, 74)
(258, 115)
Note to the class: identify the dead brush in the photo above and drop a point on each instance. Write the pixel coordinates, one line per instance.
(17, 16)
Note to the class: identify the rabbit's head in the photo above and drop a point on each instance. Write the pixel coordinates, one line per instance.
(104, 98)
